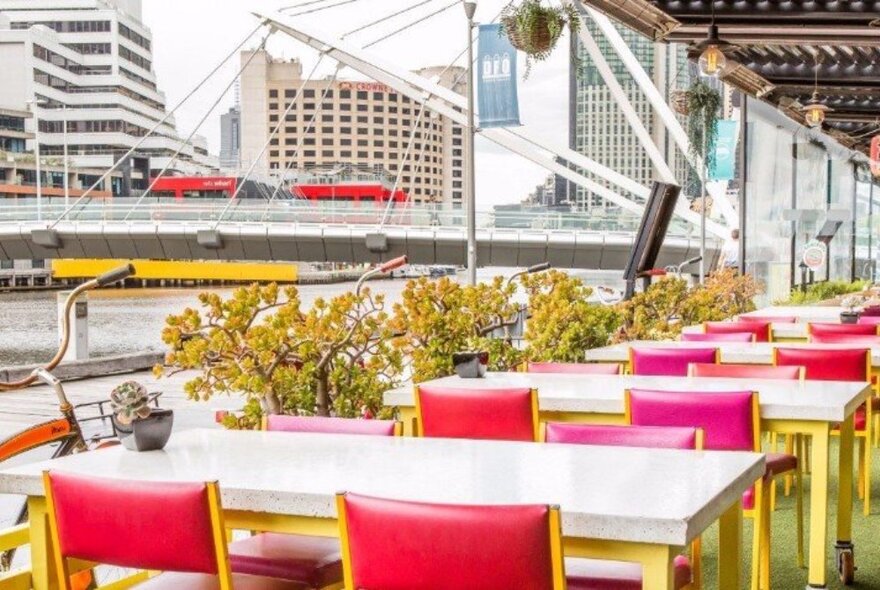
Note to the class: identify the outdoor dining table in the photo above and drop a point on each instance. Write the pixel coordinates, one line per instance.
(797, 331)
(807, 407)
(626, 504)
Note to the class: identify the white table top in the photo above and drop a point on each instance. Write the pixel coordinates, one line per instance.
(804, 313)
(830, 401)
(639, 495)
(756, 353)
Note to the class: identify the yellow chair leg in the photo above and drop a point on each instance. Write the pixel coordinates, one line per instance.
(789, 450)
(765, 544)
(867, 469)
(799, 509)
(756, 536)
(697, 564)
(860, 484)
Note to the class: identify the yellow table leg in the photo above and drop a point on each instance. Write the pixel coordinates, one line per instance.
(845, 482)
(730, 548)
(42, 564)
(657, 570)
(819, 504)
(408, 416)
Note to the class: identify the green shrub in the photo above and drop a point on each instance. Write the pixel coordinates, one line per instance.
(818, 292)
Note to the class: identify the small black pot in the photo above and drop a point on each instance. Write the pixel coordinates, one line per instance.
(146, 434)
(470, 365)
(849, 317)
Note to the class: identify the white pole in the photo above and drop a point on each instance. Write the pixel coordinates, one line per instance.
(66, 166)
(33, 104)
(470, 185)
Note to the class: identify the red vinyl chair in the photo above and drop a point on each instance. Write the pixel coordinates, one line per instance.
(720, 337)
(312, 561)
(730, 421)
(735, 371)
(870, 320)
(489, 414)
(841, 365)
(855, 339)
(823, 329)
(578, 368)
(668, 362)
(591, 574)
(769, 319)
(761, 330)
(176, 528)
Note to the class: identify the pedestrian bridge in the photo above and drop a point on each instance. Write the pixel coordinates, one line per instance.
(295, 230)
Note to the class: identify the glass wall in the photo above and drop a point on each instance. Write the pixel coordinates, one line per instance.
(866, 212)
(811, 198)
(841, 191)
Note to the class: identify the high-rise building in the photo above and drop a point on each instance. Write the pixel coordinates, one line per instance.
(87, 65)
(351, 123)
(230, 139)
(597, 126)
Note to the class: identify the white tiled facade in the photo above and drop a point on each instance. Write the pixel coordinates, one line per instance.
(361, 123)
(90, 61)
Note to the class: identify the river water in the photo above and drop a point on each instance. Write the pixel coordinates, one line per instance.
(131, 320)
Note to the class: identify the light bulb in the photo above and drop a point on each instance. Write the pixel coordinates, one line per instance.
(712, 61)
(815, 115)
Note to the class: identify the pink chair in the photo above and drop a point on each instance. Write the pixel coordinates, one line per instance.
(489, 414)
(761, 330)
(668, 362)
(769, 319)
(840, 364)
(578, 368)
(720, 337)
(824, 329)
(320, 424)
(735, 371)
(310, 561)
(730, 421)
(616, 575)
(856, 339)
(870, 320)
(175, 528)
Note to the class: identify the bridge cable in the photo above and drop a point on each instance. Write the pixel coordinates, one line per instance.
(417, 169)
(320, 8)
(386, 18)
(161, 122)
(307, 130)
(281, 121)
(301, 5)
(412, 24)
(183, 143)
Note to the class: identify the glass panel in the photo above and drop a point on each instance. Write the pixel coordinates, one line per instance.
(812, 198)
(841, 190)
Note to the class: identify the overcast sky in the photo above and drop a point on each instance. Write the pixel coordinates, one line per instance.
(192, 36)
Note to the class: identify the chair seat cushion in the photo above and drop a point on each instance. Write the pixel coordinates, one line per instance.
(861, 416)
(594, 574)
(314, 561)
(779, 463)
(175, 581)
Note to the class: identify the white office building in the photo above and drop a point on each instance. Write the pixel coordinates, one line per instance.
(88, 63)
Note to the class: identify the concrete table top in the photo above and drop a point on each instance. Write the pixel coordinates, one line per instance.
(830, 401)
(637, 495)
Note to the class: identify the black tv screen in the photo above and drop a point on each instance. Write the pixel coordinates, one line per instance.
(652, 232)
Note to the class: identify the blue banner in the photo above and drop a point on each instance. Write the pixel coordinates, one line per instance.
(724, 167)
(496, 79)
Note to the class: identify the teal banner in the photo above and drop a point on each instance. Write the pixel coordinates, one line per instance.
(724, 167)
(496, 79)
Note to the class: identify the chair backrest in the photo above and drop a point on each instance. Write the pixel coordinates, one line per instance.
(492, 414)
(719, 337)
(730, 420)
(838, 364)
(871, 320)
(769, 319)
(174, 527)
(396, 545)
(278, 423)
(734, 371)
(860, 339)
(580, 368)
(761, 330)
(650, 437)
(671, 362)
(823, 329)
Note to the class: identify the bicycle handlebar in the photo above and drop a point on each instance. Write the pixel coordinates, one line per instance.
(115, 275)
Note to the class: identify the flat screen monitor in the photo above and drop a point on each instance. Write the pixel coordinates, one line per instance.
(652, 232)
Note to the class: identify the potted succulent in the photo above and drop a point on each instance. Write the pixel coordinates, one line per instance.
(534, 28)
(139, 427)
(470, 365)
(850, 303)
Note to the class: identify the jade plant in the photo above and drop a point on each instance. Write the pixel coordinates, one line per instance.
(534, 28)
(130, 401)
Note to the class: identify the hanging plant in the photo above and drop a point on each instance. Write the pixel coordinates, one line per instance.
(703, 108)
(535, 29)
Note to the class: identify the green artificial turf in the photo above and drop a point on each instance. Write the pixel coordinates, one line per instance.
(785, 575)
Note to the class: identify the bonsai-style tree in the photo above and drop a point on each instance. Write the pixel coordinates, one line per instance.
(333, 359)
(562, 322)
(437, 318)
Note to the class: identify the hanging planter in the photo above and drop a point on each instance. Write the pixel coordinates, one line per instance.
(535, 28)
(703, 108)
(679, 101)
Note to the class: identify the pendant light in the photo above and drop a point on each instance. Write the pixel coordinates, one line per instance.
(712, 51)
(815, 111)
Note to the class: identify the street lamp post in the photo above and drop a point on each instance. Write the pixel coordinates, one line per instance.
(470, 9)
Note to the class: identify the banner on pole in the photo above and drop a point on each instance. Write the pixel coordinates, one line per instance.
(496, 79)
(724, 167)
